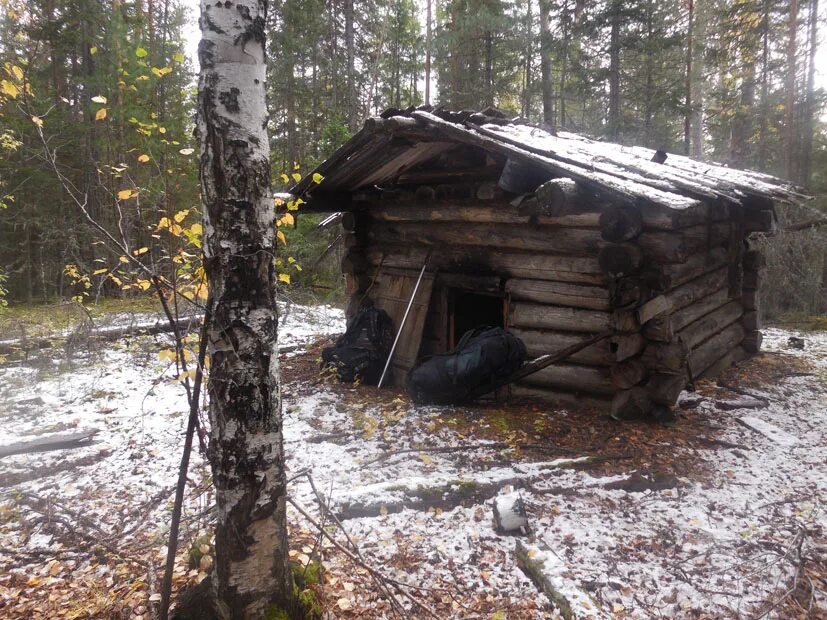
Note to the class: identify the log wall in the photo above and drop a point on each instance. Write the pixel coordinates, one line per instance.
(676, 289)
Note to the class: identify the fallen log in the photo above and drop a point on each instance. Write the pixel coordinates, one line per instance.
(10, 347)
(61, 441)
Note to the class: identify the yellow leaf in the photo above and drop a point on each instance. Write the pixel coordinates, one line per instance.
(296, 177)
(141, 52)
(196, 229)
(16, 71)
(100, 114)
(162, 129)
(178, 57)
(10, 89)
(93, 50)
(124, 194)
(285, 178)
(143, 284)
(167, 354)
(181, 215)
(37, 121)
(317, 178)
(115, 279)
(284, 277)
(98, 272)
(124, 259)
(288, 219)
(140, 251)
(143, 158)
(99, 99)
(425, 458)
(281, 237)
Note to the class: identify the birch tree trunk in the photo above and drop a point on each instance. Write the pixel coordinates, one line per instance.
(246, 452)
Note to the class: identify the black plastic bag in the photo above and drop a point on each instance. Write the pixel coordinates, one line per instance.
(483, 357)
(361, 352)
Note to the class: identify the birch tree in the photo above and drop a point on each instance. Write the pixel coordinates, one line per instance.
(246, 452)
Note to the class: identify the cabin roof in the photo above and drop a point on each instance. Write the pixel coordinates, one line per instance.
(392, 145)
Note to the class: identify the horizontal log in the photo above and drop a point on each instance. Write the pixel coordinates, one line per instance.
(667, 247)
(654, 217)
(710, 351)
(694, 290)
(670, 276)
(564, 397)
(489, 213)
(678, 247)
(544, 342)
(61, 441)
(529, 315)
(752, 341)
(526, 237)
(584, 270)
(710, 324)
(624, 346)
(663, 329)
(631, 404)
(664, 388)
(573, 377)
(732, 357)
(628, 373)
(559, 293)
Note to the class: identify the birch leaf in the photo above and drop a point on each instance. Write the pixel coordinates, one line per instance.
(37, 121)
(100, 114)
(141, 52)
(317, 178)
(284, 277)
(124, 194)
(143, 158)
(99, 99)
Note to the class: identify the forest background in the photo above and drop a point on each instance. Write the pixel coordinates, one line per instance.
(97, 103)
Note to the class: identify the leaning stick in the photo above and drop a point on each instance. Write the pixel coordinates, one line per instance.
(402, 324)
(541, 362)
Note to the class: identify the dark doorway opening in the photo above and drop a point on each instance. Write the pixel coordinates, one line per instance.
(470, 310)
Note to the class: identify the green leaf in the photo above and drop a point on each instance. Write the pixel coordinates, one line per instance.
(141, 52)
(178, 57)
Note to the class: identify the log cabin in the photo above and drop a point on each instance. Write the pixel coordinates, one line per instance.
(556, 237)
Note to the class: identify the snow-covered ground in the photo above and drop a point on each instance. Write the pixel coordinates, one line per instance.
(720, 516)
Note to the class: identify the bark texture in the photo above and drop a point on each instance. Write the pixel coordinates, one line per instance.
(246, 452)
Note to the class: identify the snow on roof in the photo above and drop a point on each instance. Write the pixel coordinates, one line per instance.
(398, 141)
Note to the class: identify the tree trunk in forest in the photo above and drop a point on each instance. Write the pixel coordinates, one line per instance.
(614, 71)
(805, 169)
(352, 118)
(741, 137)
(565, 19)
(687, 114)
(529, 52)
(789, 106)
(428, 44)
(697, 80)
(545, 65)
(763, 126)
(251, 572)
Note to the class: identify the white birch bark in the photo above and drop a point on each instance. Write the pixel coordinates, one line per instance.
(251, 569)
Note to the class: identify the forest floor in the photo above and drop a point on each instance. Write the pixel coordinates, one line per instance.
(720, 515)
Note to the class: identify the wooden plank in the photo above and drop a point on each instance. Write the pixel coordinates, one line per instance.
(559, 293)
(471, 211)
(391, 292)
(544, 342)
(564, 397)
(709, 352)
(529, 315)
(573, 377)
(480, 260)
